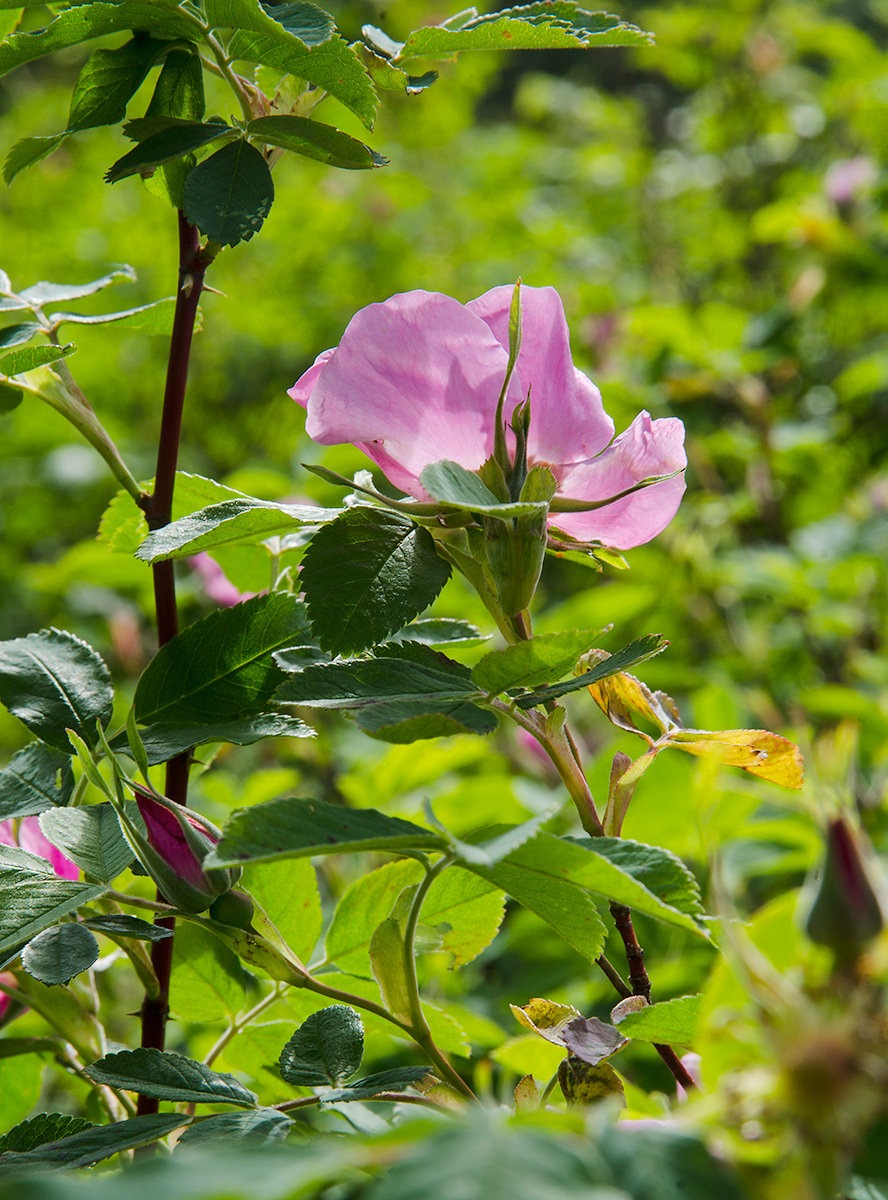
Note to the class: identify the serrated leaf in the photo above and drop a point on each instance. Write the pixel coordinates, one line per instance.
(167, 1076)
(45, 1127)
(229, 194)
(547, 656)
(121, 925)
(233, 522)
(441, 631)
(164, 740)
(37, 778)
(208, 980)
(470, 907)
(18, 335)
(94, 1144)
(326, 1048)
(220, 669)
(638, 651)
(86, 21)
(659, 870)
(287, 892)
(109, 79)
(383, 1081)
(333, 65)
(32, 901)
(124, 525)
(91, 837)
(158, 321)
(179, 138)
(44, 293)
(53, 681)
(671, 1022)
(368, 574)
(179, 91)
(56, 955)
(294, 828)
(262, 1127)
(363, 905)
(314, 140)
(492, 850)
(18, 362)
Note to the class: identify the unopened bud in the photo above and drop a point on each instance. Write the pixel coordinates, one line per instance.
(846, 914)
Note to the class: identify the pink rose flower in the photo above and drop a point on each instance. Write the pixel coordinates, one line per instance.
(416, 380)
(31, 838)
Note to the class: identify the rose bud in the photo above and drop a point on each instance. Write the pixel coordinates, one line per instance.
(846, 913)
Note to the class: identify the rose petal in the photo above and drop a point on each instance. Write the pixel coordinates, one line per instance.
(646, 448)
(414, 380)
(32, 839)
(567, 419)
(304, 386)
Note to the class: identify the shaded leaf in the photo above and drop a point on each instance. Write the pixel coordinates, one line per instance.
(179, 90)
(638, 651)
(94, 1144)
(36, 778)
(165, 739)
(91, 837)
(18, 335)
(263, 1126)
(121, 925)
(233, 522)
(229, 194)
(450, 483)
(178, 138)
(314, 140)
(326, 1048)
(389, 968)
(45, 1127)
(28, 152)
(108, 80)
(584, 1083)
(384, 1081)
(545, 657)
(31, 901)
(658, 869)
(56, 293)
(167, 1076)
(56, 955)
(661, 1162)
(592, 1040)
(441, 631)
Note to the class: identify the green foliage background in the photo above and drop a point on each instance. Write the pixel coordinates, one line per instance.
(679, 199)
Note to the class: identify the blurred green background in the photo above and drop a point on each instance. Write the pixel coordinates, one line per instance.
(711, 209)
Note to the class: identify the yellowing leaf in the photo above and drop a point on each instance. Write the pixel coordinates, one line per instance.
(583, 1083)
(764, 754)
(546, 1017)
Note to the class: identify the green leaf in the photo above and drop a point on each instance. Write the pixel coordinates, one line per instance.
(661, 1162)
(121, 925)
(490, 851)
(309, 23)
(52, 681)
(441, 631)
(159, 321)
(383, 1081)
(326, 1048)
(94, 1144)
(18, 335)
(230, 194)
(181, 137)
(450, 483)
(124, 526)
(389, 968)
(333, 65)
(293, 828)
(37, 778)
(220, 669)
(167, 1076)
(91, 837)
(85, 21)
(584, 1083)
(368, 574)
(208, 980)
(56, 955)
(179, 91)
(17, 362)
(31, 901)
(263, 1126)
(472, 909)
(363, 906)
(314, 140)
(657, 869)
(10, 398)
(108, 81)
(45, 1127)
(671, 1022)
(164, 740)
(287, 892)
(528, 664)
(548, 25)
(43, 293)
(638, 651)
(233, 522)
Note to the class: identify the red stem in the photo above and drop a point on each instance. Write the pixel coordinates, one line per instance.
(158, 509)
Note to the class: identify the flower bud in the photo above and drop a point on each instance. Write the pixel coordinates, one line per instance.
(178, 842)
(846, 914)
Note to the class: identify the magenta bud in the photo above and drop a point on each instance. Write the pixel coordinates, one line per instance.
(846, 914)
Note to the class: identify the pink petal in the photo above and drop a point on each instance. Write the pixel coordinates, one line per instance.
(32, 839)
(646, 448)
(413, 381)
(304, 386)
(567, 419)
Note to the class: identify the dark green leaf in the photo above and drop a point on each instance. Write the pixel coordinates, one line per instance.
(368, 574)
(93, 1144)
(293, 828)
(441, 631)
(45, 1127)
(664, 1163)
(161, 147)
(334, 65)
(28, 152)
(309, 23)
(165, 740)
(233, 522)
(179, 91)
(403, 721)
(31, 901)
(167, 1076)
(314, 140)
(122, 925)
(14, 1047)
(638, 651)
(220, 669)
(38, 777)
(327, 1048)
(229, 194)
(10, 398)
(659, 870)
(670, 1022)
(82, 22)
(18, 335)
(384, 1081)
(17, 362)
(529, 664)
(52, 681)
(262, 1126)
(91, 837)
(58, 293)
(109, 79)
(56, 955)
